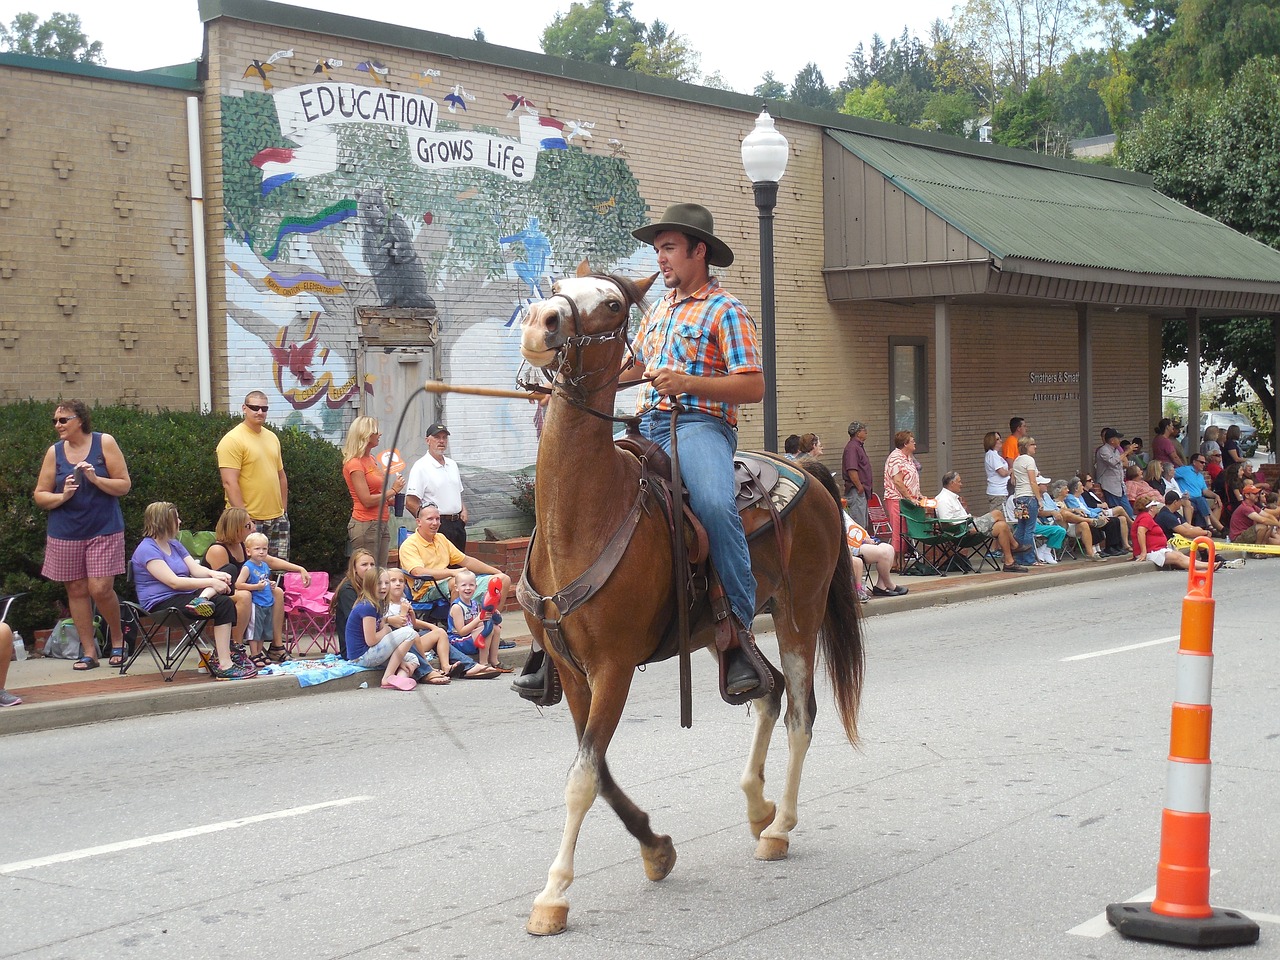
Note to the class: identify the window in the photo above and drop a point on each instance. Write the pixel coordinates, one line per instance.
(908, 388)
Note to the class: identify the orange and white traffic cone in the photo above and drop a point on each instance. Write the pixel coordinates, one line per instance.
(1181, 912)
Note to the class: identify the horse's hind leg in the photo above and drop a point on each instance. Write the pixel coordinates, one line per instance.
(797, 665)
(760, 811)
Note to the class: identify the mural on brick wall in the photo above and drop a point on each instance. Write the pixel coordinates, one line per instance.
(341, 195)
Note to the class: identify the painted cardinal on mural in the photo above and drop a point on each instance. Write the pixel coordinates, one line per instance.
(297, 359)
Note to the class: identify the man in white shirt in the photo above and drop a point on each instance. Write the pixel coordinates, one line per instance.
(435, 478)
(951, 507)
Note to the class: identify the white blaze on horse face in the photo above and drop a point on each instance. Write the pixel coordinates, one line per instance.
(548, 322)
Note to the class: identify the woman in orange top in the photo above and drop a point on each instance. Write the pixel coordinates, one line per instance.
(363, 473)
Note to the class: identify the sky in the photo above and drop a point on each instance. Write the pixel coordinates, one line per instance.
(741, 46)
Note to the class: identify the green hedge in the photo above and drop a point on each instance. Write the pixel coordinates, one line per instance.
(171, 456)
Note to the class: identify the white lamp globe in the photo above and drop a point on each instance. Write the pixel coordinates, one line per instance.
(764, 151)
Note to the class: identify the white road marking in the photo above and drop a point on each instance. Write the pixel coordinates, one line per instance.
(1100, 926)
(20, 865)
(1105, 653)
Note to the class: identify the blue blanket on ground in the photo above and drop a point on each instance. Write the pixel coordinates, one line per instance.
(311, 672)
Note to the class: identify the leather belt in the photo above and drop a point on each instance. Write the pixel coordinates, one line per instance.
(454, 517)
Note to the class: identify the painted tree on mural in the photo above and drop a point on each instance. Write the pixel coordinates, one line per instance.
(584, 204)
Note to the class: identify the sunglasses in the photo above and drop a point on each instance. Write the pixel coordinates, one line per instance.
(63, 421)
(255, 407)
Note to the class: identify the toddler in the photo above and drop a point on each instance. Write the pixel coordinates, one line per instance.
(255, 576)
(406, 624)
(467, 622)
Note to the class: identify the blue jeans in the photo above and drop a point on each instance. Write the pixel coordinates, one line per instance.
(1120, 501)
(707, 445)
(1024, 531)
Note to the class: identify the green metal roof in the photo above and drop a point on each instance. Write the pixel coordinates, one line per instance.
(1079, 218)
(178, 77)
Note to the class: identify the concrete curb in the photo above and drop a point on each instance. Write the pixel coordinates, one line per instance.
(76, 711)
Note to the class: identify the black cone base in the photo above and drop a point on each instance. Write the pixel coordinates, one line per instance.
(1226, 928)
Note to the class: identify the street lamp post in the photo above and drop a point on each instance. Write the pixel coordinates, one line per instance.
(764, 157)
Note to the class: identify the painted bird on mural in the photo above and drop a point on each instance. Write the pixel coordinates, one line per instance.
(457, 97)
(398, 275)
(427, 76)
(327, 64)
(518, 101)
(297, 359)
(261, 69)
(578, 128)
(374, 69)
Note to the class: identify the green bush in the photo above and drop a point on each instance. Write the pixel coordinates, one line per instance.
(171, 456)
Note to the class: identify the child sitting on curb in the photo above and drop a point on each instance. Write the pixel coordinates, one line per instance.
(426, 636)
(467, 624)
(369, 640)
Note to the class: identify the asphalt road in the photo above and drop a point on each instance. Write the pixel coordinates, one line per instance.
(1004, 794)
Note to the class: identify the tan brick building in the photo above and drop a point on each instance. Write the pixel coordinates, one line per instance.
(379, 203)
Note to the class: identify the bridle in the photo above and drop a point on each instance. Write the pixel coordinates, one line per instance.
(573, 387)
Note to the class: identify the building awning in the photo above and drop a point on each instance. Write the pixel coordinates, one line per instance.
(971, 222)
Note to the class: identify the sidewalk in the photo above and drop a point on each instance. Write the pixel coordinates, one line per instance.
(54, 695)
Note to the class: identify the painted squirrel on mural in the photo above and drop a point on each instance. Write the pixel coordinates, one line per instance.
(398, 275)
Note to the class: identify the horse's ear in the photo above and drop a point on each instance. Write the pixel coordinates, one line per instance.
(584, 269)
(644, 285)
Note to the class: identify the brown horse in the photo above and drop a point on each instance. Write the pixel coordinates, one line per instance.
(586, 489)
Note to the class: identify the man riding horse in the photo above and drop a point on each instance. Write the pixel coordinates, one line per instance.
(698, 343)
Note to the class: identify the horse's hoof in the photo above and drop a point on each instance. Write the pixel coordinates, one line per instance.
(547, 921)
(659, 860)
(772, 848)
(757, 826)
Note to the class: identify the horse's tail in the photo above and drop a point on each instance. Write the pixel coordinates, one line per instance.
(841, 628)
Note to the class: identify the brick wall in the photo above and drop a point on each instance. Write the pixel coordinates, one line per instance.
(96, 265)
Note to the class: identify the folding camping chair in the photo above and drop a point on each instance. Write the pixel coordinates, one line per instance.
(307, 614)
(878, 517)
(156, 635)
(978, 549)
(930, 546)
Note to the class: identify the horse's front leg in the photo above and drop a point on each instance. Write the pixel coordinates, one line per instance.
(550, 912)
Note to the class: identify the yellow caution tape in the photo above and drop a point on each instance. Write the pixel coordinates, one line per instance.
(1182, 543)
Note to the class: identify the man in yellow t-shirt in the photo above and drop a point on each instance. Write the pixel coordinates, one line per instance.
(1017, 430)
(253, 474)
(428, 553)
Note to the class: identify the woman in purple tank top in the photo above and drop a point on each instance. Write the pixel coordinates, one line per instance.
(82, 479)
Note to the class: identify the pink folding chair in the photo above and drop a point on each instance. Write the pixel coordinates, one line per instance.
(307, 615)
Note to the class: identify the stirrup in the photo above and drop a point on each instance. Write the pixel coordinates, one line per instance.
(543, 686)
(764, 672)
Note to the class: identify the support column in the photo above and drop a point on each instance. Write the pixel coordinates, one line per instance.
(942, 383)
(1191, 441)
(1084, 360)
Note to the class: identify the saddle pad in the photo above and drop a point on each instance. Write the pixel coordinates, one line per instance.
(779, 477)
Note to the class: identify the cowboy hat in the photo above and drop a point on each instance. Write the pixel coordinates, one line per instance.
(696, 221)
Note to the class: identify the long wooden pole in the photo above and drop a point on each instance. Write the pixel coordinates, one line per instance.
(435, 386)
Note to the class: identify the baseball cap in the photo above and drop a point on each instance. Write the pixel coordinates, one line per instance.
(1251, 488)
(436, 428)
(1041, 478)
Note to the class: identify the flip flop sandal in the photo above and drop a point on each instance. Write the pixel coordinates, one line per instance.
(117, 657)
(85, 663)
(277, 654)
(399, 683)
(438, 680)
(457, 670)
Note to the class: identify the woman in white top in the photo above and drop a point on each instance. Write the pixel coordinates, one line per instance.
(997, 471)
(1026, 494)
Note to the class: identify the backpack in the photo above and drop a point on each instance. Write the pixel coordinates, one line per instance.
(64, 641)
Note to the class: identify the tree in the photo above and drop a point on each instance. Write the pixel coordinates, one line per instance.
(1021, 39)
(663, 53)
(770, 88)
(1028, 120)
(594, 33)
(949, 112)
(869, 102)
(1218, 154)
(61, 37)
(809, 89)
(1212, 39)
(1116, 93)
